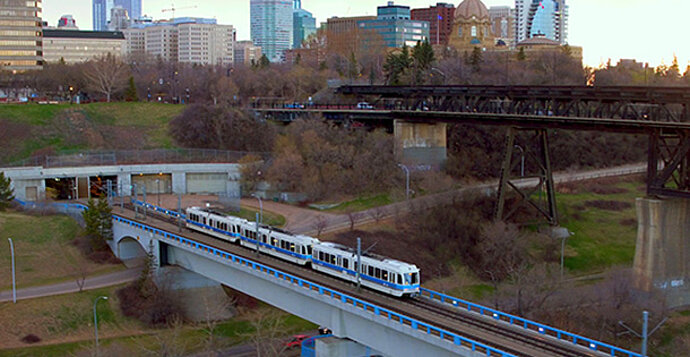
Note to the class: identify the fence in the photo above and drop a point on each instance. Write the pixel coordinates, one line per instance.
(133, 157)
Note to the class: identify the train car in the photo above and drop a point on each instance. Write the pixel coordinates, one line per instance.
(215, 224)
(284, 245)
(378, 273)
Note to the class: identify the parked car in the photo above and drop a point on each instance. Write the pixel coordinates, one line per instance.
(296, 341)
(364, 105)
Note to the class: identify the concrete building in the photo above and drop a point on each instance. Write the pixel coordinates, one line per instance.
(440, 19)
(206, 44)
(135, 41)
(119, 19)
(67, 22)
(548, 18)
(20, 35)
(161, 42)
(246, 53)
(303, 26)
(503, 24)
(31, 183)
(74, 46)
(343, 35)
(272, 27)
(394, 27)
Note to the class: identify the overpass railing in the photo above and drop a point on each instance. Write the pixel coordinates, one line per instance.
(495, 314)
(528, 325)
(134, 157)
(229, 258)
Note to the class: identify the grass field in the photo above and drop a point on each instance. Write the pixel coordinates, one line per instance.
(32, 128)
(269, 218)
(361, 204)
(43, 250)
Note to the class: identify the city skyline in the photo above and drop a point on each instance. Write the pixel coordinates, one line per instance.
(618, 32)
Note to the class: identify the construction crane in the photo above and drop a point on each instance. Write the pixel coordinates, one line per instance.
(173, 9)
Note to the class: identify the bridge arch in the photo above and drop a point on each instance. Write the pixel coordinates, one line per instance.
(128, 248)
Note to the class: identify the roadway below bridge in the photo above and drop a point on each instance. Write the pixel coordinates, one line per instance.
(502, 336)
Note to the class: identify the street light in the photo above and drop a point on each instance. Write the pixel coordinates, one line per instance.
(522, 162)
(14, 280)
(407, 181)
(95, 319)
(261, 208)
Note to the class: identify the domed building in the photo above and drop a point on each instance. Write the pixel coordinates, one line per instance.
(471, 27)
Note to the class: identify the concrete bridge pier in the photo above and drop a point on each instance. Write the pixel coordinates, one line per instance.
(662, 257)
(422, 145)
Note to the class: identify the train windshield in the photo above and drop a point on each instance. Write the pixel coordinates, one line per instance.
(412, 278)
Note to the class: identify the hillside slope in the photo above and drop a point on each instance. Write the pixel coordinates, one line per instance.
(33, 129)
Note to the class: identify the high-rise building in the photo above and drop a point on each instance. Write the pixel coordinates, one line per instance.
(21, 35)
(503, 24)
(119, 19)
(394, 27)
(133, 7)
(440, 19)
(303, 26)
(271, 26)
(67, 22)
(101, 14)
(206, 44)
(543, 18)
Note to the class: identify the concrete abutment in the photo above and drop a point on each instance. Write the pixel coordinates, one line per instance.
(421, 145)
(662, 256)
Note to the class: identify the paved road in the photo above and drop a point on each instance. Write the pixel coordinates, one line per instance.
(91, 283)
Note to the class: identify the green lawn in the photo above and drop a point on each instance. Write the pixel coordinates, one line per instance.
(43, 250)
(270, 218)
(603, 238)
(362, 203)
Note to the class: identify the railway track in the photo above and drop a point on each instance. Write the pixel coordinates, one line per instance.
(501, 336)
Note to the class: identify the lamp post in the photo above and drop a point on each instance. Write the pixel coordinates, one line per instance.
(95, 319)
(14, 280)
(522, 160)
(407, 181)
(261, 208)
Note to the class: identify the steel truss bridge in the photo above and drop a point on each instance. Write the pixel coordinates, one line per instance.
(660, 113)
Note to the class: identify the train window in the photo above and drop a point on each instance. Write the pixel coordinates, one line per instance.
(274, 242)
(204, 220)
(399, 279)
(321, 256)
(292, 247)
(384, 275)
(346, 263)
(309, 250)
(333, 259)
(377, 273)
(263, 238)
(371, 271)
(415, 279)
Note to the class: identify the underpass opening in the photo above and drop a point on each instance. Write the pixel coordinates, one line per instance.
(130, 249)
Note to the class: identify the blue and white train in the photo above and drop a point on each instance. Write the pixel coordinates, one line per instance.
(389, 276)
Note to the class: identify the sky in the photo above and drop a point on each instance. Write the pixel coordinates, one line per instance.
(647, 30)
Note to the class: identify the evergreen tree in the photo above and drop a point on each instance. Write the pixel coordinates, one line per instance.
(6, 192)
(396, 65)
(99, 222)
(476, 59)
(131, 94)
(422, 58)
(521, 56)
(264, 62)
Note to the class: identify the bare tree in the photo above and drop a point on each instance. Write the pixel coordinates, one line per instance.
(377, 213)
(106, 75)
(214, 309)
(268, 332)
(168, 342)
(353, 217)
(320, 224)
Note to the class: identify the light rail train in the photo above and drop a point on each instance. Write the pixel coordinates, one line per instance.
(379, 273)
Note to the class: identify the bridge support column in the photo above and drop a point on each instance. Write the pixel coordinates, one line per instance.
(421, 144)
(662, 257)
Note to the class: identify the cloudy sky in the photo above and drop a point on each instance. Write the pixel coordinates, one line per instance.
(647, 30)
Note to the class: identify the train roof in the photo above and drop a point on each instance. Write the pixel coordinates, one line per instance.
(380, 258)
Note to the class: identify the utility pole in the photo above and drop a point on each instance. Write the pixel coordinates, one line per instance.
(146, 203)
(359, 264)
(257, 234)
(14, 279)
(179, 211)
(645, 330)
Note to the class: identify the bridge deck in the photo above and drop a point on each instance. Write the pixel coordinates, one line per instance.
(498, 335)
